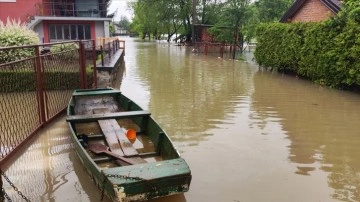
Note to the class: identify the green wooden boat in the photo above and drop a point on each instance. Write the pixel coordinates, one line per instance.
(127, 154)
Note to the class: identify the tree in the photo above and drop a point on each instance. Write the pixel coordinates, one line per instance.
(234, 14)
(210, 11)
(270, 11)
(144, 21)
(124, 23)
(158, 17)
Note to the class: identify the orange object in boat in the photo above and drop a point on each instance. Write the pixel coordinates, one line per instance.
(131, 134)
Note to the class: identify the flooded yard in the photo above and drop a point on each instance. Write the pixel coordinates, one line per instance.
(247, 134)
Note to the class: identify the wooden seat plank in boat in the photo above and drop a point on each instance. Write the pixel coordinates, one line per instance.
(110, 137)
(115, 115)
(98, 92)
(111, 127)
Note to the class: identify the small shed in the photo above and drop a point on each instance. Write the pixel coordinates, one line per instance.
(202, 35)
(311, 11)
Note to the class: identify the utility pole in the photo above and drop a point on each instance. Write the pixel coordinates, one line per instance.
(193, 21)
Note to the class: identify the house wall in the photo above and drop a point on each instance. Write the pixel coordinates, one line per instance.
(312, 11)
(40, 31)
(205, 36)
(46, 24)
(100, 29)
(19, 9)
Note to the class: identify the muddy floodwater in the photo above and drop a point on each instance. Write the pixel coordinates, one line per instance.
(248, 135)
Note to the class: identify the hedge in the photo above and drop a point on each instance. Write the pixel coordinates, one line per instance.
(326, 52)
(26, 81)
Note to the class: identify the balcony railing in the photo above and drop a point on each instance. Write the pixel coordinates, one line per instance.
(71, 10)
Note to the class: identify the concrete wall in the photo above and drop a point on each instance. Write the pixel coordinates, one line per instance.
(40, 31)
(99, 29)
(312, 11)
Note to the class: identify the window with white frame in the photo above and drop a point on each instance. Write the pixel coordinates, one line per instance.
(60, 32)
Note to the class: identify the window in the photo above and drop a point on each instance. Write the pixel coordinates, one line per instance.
(59, 32)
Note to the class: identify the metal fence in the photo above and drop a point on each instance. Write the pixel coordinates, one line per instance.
(109, 49)
(36, 83)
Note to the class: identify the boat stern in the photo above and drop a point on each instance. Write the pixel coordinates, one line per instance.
(147, 181)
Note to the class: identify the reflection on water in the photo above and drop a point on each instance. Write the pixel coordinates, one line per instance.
(321, 124)
(271, 128)
(246, 134)
(49, 170)
(188, 89)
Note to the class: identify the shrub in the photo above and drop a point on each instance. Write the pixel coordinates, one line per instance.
(65, 51)
(14, 33)
(326, 52)
(63, 47)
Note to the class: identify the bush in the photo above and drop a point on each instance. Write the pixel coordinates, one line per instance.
(326, 52)
(63, 47)
(25, 81)
(13, 33)
(65, 51)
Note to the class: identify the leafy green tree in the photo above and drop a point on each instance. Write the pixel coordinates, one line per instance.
(234, 14)
(144, 21)
(210, 10)
(158, 17)
(124, 23)
(270, 11)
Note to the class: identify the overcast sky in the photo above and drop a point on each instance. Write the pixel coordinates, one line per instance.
(122, 9)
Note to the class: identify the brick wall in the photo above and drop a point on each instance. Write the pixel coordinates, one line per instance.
(312, 11)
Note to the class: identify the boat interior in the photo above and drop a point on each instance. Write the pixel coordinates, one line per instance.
(104, 128)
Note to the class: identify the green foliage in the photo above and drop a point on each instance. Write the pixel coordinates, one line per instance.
(326, 52)
(271, 11)
(9, 81)
(231, 22)
(222, 34)
(124, 23)
(156, 17)
(65, 50)
(112, 28)
(14, 33)
(57, 48)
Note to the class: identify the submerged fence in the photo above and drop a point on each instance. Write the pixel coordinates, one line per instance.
(36, 83)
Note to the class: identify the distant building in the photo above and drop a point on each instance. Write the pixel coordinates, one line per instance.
(311, 10)
(59, 20)
(119, 31)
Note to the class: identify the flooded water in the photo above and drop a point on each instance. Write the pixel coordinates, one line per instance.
(247, 134)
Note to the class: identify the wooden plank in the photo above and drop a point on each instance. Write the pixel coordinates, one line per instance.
(110, 137)
(95, 92)
(113, 129)
(115, 115)
(125, 144)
